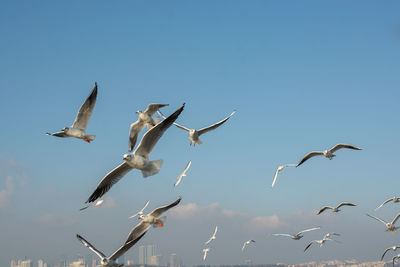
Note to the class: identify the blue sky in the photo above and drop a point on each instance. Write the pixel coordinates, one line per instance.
(302, 76)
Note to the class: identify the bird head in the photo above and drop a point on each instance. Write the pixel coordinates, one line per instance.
(128, 156)
(65, 129)
(139, 111)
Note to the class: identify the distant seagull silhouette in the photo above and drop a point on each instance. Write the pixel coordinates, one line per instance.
(319, 242)
(299, 234)
(335, 209)
(213, 237)
(245, 244)
(395, 258)
(394, 199)
(141, 211)
(78, 128)
(195, 134)
(144, 118)
(280, 168)
(327, 153)
(205, 253)
(98, 204)
(139, 159)
(183, 173)
(394, 248)
(389, 225)
(328, 235)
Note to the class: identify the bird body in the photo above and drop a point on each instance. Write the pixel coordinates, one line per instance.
(394, 199)
(213, 237)
(245, 244)
(318, 242)
(390, 226)
(335, 209)
(299, 235)
(183, 174)
(394, 248)
(205, 253)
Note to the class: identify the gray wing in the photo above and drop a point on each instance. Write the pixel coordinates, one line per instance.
(176, 124)
(125, 247)
(282, 235)
(137, 231)
(308, 230)
(109, 180)
(214, 126)
(58, 134)
(339, 146)
(396, 218)
(152, 108)
(84, 113)
(151, 137)
(346, 204)
(91, 247)
(157, 212)
(309, 155)
(308, 245)
(376, 218)
(390, 199)
(383, 255)
(134, 131)
(323, 209)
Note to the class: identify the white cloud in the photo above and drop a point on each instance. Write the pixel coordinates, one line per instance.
(109, 202)
(6, 193)
(193, 210)
(262, 223)
(55, 220)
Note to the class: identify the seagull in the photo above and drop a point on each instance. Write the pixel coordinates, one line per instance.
(111, 261)
(78, 128)
(145, 118)
(327, 153)
(97, 204)
(335, 209)
(247, 243)
(394, 248)
(213, 236)
(395, 200)
(195, 134)
(205, 253)
(299, 234)
(139, 159)
(141, 211)
(280, 168)
(389, 225)
(183, 173)
(328, 235)
(394, 258)
(319, 242)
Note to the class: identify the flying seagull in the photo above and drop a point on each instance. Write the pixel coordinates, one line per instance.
(395, 258)
(394, 199)
(245, 244)
(394, 248)
(97, 204)
(280, 168)
(213, 237)
(78, 128)
(195, 134)
(389, 225)
(328, 235)
(111, 261)
(183, 173)
(144, 118)
(327, 153)
(205, 253)
(299, 234)
(319, 242)
(139, 159)
(141, 211)
(335, 209)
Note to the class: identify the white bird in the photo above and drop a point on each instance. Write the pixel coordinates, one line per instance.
(141, 211)
(299, 234)
(335, 209)
(213, 237)
(327, 153)
(245, 244)
(319, 242)
(97, 204)
(395, 258)
(394, 199)
(389, 225)
(205, 253)
(394, 248)
(139, 159)
(111, 260)
(183, 173)
(144, 118)
(195, 134)
(78, 128)
(328, 235)
(280, 168)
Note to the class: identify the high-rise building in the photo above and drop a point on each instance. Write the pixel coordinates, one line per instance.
(79, 263)
(26, 263)
(40, 263)
(173, 260)
(145, 254)
(155, 260)
(13, 263)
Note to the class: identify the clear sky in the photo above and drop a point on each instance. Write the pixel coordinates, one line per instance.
(302, 75)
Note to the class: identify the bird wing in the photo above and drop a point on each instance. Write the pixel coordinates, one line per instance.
(157, 212)
(84, 208)
(244, 245)
(137, 231)
(386, 250)
(275, 176)
(134, 131)
(125, 247)
(91, 247)
(323, 209)
(378, 219)
(309, 155)
(215, 231)
(207, 242)
(109, 180)
(176, 124)
(152, 108)
(151, 137)
(84, 113)
(346, 204)
(309, 245)
(308, 230)
(283, 235)
(214, 126)
(396, 218)
(183, 173)
(390, 199)
(141, 211)
(339, 146)
(58, 134)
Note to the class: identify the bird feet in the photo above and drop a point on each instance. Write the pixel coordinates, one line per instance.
(87, 140)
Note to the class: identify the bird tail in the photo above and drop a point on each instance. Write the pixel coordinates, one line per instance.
(153, 167)
(90, 137)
